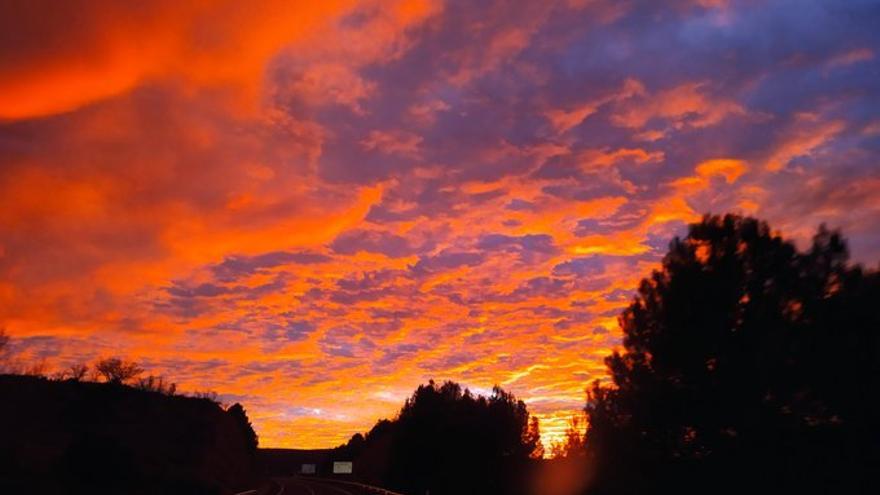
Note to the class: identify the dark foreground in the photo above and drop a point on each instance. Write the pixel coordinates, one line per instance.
(60, 437)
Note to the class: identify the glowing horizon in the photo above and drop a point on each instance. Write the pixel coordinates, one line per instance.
(312, 208)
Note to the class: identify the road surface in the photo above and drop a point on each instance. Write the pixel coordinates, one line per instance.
(310, 486)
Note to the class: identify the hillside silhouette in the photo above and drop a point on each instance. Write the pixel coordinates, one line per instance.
(746, 364)
(69, 436)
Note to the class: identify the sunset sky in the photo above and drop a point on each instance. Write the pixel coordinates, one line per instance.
(312, 207)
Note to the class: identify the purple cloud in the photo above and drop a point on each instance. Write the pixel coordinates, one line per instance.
(373, 241)
(447, 259)
(235, 267)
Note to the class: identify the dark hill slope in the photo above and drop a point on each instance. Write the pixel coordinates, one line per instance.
(80, 437)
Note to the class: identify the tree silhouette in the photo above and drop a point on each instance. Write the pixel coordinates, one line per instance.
(532, 439)
(573, 444)
(237, 412)
(746, 361)
(448, 441)
(115, 370)
(77, 372)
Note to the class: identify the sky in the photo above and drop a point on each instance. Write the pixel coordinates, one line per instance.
(313, 207)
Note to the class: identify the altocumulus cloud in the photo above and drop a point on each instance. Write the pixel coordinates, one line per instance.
(397, 190)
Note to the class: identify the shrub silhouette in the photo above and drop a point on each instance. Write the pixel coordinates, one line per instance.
(115, 370)
(158, 384)
(745, 364)
(77, 372)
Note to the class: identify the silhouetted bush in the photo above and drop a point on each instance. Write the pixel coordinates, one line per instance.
(746, 365)
(75, 372)
(206, 394)
(115, 370)
(158, 384)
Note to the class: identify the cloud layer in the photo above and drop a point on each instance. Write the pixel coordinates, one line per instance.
(313, 209)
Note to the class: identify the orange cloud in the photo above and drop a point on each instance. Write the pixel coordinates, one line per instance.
(730, 169)
(58, 65)
(851, 57)
(684, 105)
(563, 120)
(602, 159)
(808, 132)
(393, 142)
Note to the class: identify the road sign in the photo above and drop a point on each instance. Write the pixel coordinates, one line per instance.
(342, 468)
(308, 469)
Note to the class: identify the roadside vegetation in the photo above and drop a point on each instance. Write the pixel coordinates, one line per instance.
(446, 439)
(745, 363)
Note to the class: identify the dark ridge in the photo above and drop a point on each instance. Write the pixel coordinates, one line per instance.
(85, 437)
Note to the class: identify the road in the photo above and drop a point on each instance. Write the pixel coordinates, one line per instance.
(311, 486)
